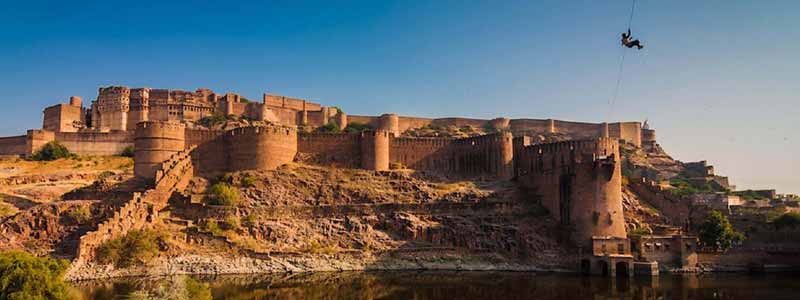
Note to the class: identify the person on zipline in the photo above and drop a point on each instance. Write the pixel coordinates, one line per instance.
(627, 42)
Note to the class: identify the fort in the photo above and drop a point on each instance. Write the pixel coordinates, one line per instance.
(578, 181)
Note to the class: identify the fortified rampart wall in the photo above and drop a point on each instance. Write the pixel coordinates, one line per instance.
(209, 156)
(488, 154)
(154, 143)
(264, 148)
(141, 211)
(14, 145)
(330, 148)
(579, 182)
(95, 143)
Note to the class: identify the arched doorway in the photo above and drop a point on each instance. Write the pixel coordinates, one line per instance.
(622, 269)
(586, 267)
(602, 267)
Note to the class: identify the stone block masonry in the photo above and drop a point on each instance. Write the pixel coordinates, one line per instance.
(579, 182)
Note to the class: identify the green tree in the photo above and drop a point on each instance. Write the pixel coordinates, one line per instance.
(717, 232)
(24, 276)
(52, 151)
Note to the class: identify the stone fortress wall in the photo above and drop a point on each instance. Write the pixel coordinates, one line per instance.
(579, 181)
(108, 125)
(268, 147)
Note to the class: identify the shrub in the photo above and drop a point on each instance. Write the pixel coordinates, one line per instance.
(222, 193)
(80, 214)
(232, 222)
(356, 127)
(6, 209)
(248, 180)
(52, 151)
(127, 152)
(787, 220)
(211, 226)
(24, 276)
(717, 232)
(329, 128)
(250, 220)
(489, 127)
(639, 231)
(212, 120)
(105, 174)
(136, 247)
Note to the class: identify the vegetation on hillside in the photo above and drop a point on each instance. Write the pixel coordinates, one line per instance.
(716, 232)
(24, 276)
(329, 128)
(80, 214)
(684, 187)
(215, 119)
(127, 152)
(356, 127)
(749, 195)
(52, 151)
(787, 220)
(135, 248)
(222, 193)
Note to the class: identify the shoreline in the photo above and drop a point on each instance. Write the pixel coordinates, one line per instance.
(221, 265)
(231, 265)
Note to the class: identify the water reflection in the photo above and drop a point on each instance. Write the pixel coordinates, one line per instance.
(444, 285)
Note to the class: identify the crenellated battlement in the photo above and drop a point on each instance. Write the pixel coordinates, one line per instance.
(579, 182)
(262, 130)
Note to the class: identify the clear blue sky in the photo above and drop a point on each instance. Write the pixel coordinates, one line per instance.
(719, 80)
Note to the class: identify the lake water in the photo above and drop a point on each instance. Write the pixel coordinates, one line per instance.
(447, 285)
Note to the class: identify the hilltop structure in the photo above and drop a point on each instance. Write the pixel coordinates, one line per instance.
(578, 181)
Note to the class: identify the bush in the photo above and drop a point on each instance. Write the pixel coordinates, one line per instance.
(222, 193)
(232, 222)
(135, 248)
(787, 220)
(717, 232)
(248, 180)
(329, 128)
(127, 152)
(210, 121)
(639, 232)
(24, 276)
(52, 151)
(104, 175)
(211, 226)
(356, 127)
(80, 214)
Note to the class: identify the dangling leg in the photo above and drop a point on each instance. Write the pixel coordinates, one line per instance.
(637, 44)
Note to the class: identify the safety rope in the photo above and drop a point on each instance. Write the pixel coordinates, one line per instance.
(619, 72)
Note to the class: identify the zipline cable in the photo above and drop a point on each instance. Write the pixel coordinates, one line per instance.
(619, 72)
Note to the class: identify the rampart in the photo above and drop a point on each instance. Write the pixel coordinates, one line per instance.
(154, 143)
(264, 148)
(14, 145)
(330, 148)
(95, 143)
(108, 126)
(142, 210)
(579, 182)
(488, 154)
